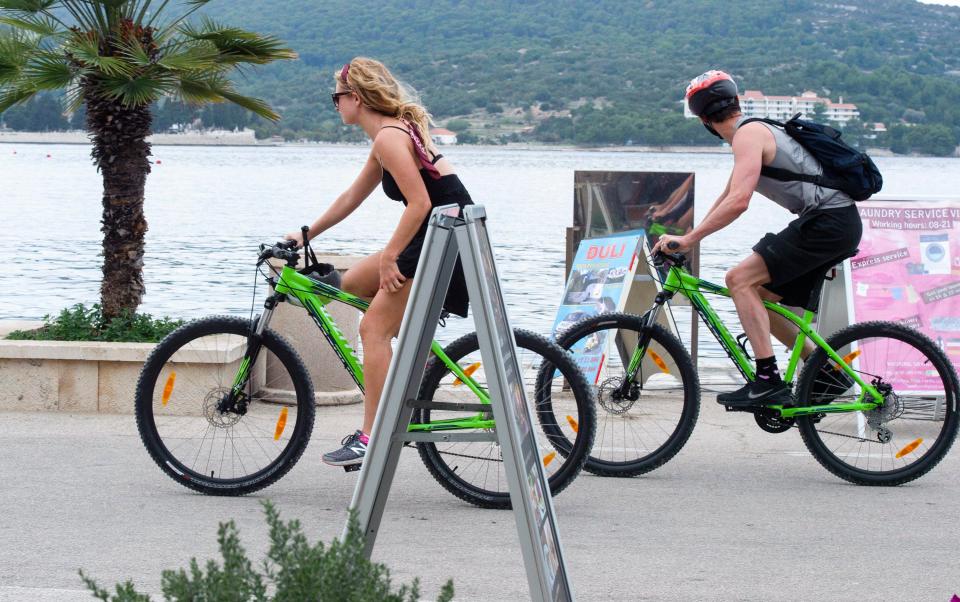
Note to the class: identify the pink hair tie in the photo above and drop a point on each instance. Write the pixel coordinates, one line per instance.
(344, 72)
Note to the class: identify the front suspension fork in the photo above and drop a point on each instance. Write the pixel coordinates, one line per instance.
(649, 319)
(254, 344)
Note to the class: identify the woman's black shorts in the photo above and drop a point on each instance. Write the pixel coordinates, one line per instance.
(799, 256)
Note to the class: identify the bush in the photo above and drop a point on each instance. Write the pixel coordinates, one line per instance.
(78, 323)
(294, 570)
(458, 125)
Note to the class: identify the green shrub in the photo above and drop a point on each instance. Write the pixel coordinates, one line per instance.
(293, 571)
(458, 125)
(78, 323)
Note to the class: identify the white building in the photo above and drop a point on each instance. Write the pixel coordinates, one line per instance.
(443, 136)
(755, 103)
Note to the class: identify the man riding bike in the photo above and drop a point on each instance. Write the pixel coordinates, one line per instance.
(786, 266)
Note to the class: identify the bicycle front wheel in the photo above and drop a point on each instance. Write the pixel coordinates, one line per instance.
(643, 427)
(562, 404)
(906, 436)
(203, 437)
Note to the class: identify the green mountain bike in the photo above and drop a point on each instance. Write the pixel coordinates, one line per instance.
(876, 403)
(225, 406)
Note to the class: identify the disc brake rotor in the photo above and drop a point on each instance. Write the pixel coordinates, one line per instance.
(213, 415)
(608, 396)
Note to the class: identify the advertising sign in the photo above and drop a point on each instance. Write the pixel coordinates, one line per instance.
(598, 280)
(908, 271)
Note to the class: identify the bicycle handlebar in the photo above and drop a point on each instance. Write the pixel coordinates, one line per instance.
(282, 250)
(660, 258)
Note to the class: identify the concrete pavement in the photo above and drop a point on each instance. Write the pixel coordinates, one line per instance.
(739, 514)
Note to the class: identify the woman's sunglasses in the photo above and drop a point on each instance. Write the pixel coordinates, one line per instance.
(335, 97)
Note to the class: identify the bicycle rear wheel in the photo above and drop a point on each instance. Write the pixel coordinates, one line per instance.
(215, 446)
(562, 403)
(902, 439)
(645, 428)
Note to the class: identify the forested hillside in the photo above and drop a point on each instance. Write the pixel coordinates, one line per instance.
(613, 71)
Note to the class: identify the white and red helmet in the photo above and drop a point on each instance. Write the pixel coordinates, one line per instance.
(711, 92)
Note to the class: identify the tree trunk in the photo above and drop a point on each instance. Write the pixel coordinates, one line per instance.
(120, 152)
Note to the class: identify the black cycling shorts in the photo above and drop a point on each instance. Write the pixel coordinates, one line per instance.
(801, 254)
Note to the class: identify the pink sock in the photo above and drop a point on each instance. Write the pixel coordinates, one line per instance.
(364, 438)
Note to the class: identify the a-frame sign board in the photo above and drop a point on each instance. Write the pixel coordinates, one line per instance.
(449, 236)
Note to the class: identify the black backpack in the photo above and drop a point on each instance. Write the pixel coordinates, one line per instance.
(844, 167)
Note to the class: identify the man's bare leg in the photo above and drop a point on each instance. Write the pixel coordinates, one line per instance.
(745, 283)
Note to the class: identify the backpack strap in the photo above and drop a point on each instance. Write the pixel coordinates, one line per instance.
(779, 124)
(785, 175)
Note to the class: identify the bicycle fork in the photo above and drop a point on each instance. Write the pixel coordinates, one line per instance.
(235, 400)
(625, 390)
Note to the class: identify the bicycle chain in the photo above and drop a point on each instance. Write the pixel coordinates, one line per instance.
(861, 439)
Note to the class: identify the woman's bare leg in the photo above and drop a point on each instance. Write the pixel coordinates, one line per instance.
(363, 279)
(378, 328)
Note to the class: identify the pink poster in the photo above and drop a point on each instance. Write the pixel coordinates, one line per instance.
(908, 271)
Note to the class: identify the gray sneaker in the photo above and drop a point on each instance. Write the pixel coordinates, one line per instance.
(352, 452)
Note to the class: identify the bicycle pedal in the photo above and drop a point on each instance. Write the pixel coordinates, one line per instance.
(352, 467)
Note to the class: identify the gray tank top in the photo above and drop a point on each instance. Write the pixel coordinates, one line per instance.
(797, 197)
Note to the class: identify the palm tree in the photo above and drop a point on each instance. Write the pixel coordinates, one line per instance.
(116, 58)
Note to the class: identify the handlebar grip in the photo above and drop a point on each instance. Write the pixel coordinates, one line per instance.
(673, 245)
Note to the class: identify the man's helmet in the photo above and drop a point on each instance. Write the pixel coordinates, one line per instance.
(711, 92)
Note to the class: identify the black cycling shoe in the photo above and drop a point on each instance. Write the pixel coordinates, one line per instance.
(830, 383)
(758, 393)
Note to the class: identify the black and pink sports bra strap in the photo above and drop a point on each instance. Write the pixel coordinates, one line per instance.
(421, 150)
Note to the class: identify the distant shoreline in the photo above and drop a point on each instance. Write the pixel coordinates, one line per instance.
(212, 138)
(246, 138)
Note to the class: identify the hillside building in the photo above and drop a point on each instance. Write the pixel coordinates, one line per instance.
(443, 136)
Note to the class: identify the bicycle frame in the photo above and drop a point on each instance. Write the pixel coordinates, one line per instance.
(680, 281)
(313, 295)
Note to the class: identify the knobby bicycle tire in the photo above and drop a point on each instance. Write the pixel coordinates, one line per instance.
(690, 384)
(811, 427)
(573, 455)
(177, 467)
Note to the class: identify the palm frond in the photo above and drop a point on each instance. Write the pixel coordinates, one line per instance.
(40, 24)
(194, 5)
(199, 89)
(254, 105)
(136, 91)
(135, 53)
(196, 89)
(15, 50)
(238, 45)
(74, 98)
(201, 56)
(48, 71)
(87, 16)
(87, 51)
(15, 96)
(28, 6)
(138, 10)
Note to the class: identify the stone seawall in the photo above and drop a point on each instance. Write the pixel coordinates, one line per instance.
(210, 138)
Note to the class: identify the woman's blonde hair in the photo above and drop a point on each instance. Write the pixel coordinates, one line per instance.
(381, 91)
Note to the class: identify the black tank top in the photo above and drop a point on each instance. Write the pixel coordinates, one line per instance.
(441, 190)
